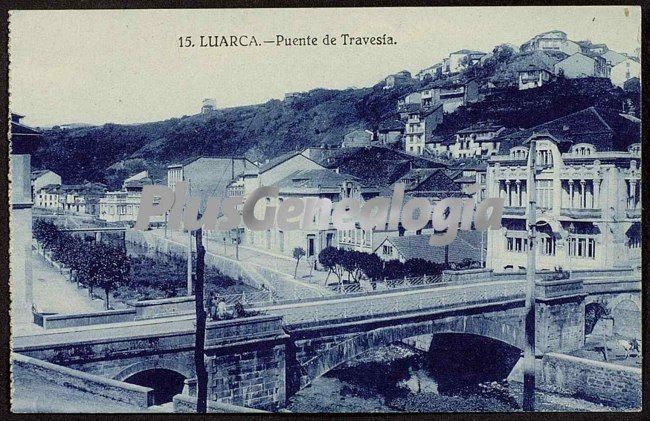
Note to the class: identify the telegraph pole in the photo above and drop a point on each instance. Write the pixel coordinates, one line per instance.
(529, 321)
(199, 345)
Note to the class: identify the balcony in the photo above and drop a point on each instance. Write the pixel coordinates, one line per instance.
(514, 210)
(576, 213)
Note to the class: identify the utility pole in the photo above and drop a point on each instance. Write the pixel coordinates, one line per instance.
(529, 321)
(199, 345)
(189, 263)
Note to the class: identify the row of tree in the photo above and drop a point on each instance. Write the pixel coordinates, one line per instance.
(92, 264)
(354, 266)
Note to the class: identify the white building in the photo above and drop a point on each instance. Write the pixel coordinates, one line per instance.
(42, 178)
(420, 124)
(551, 41)
(462, 59)
(625, 70)
(479, 140)
(588, 193)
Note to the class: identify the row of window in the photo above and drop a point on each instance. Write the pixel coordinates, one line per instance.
(583, 247)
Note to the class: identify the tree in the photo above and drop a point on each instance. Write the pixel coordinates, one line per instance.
(394, 269)
(330, 258)
(113, 269)
(298, 253)
(372, 266)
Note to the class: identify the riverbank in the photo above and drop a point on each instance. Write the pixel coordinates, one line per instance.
(398, 379)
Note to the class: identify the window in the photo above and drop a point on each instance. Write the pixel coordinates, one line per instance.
(388, 250)
(545, 194)
(547, 245)
(544, 157)
(582, 247)
(517, 244)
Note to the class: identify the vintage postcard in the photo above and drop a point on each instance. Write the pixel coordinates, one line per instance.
(326, 210)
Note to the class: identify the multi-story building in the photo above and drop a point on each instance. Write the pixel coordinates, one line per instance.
(308, 184)
(478, 140)
(588, 183)
(208, 176)
(420, 124)
(42, 178)
(123, 205)
(453, 92)
(580, 65)
(551, 41)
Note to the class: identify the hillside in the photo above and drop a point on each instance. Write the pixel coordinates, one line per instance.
(109, 153)
(112, 152)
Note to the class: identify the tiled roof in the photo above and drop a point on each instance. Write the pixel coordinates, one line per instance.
(480, 128)
(309, 179)
(38, 173)
(606, 129)
(278, 160)
(467, 245)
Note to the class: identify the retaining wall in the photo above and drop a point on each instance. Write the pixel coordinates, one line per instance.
(68, 378)
(602, 382)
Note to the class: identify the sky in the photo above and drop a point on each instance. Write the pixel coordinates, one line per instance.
(126, 66)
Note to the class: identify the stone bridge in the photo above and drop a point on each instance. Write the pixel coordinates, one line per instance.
(257, 361)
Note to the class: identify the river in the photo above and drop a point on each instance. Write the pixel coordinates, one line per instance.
(399, 378)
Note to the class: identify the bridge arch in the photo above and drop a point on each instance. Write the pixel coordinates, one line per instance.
(356, 344)
(177, 365)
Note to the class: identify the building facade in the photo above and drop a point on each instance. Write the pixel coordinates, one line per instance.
(580, 65)
(588, 194)
(419, 126)
(479, 140)
(625, 70)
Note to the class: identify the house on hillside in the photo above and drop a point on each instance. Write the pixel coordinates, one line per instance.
(420, 124)
(462, 59)
(432, 72)
(358, 138)
(476, 141)
(613, 58)
(42, 178)
(593, 49)
(407, 103)
(533, 77)
(625, 70)
(551, 41)
(454, 92)
(208, 105)
(588, 193)
(390, 132)
(580, 65)
(398, 78)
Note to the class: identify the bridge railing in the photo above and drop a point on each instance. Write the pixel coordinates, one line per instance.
(389, 284)
(250, 298)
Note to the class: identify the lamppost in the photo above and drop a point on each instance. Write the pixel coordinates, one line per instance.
(529, 313)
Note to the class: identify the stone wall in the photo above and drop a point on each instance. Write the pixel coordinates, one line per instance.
(253, 377)
(185, 403)
(602, 382)
(69, 378)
